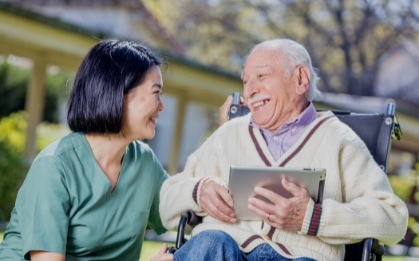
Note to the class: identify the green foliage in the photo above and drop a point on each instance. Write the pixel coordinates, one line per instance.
(13, 166)
(406, 187)
(13, 83)
(402, 186)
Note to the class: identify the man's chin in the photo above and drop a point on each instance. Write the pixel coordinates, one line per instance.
(263, 122)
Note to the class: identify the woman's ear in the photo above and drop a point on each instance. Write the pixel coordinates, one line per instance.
(303, 80)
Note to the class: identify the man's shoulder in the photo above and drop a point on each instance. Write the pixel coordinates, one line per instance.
(335, 127)
(239, 122)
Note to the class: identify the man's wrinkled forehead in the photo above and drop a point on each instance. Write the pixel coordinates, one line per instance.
(256, 69)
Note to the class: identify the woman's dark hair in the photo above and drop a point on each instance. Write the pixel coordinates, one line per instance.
(109, 70)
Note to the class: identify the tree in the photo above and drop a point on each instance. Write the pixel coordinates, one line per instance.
(346, 38)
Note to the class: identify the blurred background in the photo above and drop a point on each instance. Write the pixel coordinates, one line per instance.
(366, 53)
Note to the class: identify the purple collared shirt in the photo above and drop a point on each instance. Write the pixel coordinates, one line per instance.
(289, 133)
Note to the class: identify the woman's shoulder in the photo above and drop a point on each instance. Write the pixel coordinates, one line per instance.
(141, 146)
(61, 146)
(140, 149)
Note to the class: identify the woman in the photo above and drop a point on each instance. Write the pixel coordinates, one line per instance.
(92, 194)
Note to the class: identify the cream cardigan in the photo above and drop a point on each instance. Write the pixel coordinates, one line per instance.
(358, 200)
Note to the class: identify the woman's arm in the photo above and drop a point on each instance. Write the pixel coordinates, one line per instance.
(43, 255)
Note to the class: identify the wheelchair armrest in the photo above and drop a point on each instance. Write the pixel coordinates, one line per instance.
(189, 217)
(371, 246)
(193, 219)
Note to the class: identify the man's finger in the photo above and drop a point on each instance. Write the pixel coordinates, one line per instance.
(223, 111)
(216, 200)
(223, 192)
(268, 194)
(293, 188)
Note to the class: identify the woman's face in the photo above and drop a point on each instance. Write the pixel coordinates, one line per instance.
(142, 106)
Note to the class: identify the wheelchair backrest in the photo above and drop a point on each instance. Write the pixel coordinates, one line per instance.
(375, 129)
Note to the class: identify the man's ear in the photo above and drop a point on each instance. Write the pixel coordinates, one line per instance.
(303, 79)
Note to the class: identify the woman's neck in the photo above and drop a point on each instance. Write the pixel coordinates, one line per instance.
(108, 151)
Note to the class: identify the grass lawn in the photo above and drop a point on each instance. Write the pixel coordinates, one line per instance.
(151, 248)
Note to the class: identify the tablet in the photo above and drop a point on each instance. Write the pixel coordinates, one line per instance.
(243, 180)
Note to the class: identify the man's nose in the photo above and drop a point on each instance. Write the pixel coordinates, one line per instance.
(250, 89)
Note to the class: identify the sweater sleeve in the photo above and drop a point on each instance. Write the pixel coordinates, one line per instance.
(367, 208)
(180, 192)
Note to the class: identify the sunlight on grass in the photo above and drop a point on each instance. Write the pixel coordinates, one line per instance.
(151, 248)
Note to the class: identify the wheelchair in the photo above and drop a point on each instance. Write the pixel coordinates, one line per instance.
(377, 130)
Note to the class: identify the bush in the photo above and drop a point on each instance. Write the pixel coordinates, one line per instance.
(13, 165)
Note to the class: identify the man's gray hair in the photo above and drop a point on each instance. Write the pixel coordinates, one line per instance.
(294, 54)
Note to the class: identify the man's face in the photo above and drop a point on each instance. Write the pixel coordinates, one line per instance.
(268, 91)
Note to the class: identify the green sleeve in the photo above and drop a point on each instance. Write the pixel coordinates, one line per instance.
(154, 221)
(42, 208)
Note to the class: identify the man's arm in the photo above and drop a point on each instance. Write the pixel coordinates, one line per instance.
(201, 186)
(368, 207)
(197, 188)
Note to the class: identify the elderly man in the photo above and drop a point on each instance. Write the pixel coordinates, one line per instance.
(283, 129)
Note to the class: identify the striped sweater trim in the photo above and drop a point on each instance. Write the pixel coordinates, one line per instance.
(254, 237)
(305, 140)
(250, 240)
(271, 232)
(265, 159)
(258, 148)
(270, 235)
(284, 248)
(315, 220)
(195, 191)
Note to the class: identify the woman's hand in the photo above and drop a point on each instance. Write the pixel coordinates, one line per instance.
(162, 255)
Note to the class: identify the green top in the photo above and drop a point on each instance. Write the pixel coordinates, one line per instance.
(65, 204)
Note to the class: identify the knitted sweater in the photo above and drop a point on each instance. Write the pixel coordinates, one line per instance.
(358, 201)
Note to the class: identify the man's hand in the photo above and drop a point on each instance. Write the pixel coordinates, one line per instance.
(225, 108)
(162, 255)
(283, 213)
(216, 201)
